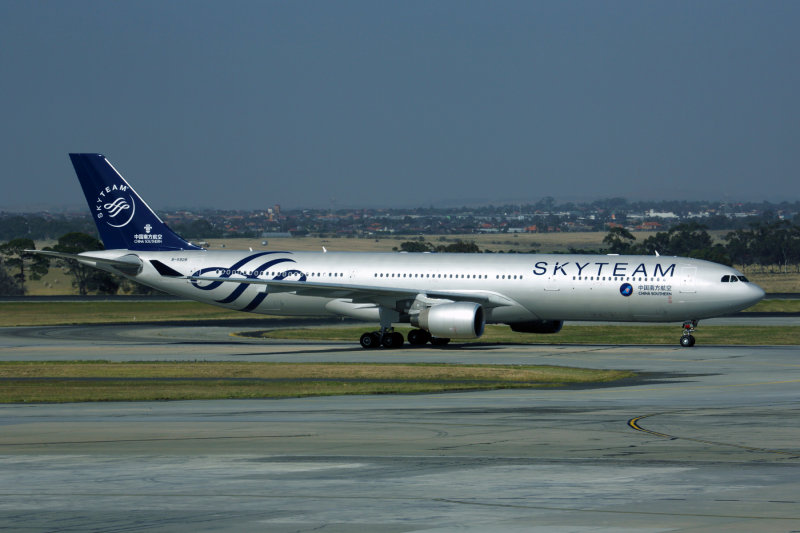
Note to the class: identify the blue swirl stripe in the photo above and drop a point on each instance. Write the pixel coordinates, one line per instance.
(227, 272)
(261, 295)
(243, 286)
(255, 303)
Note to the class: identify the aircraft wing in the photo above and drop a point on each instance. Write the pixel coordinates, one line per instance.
(128, 263)
(366, 293)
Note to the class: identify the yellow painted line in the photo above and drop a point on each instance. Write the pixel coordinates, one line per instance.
(634, 424)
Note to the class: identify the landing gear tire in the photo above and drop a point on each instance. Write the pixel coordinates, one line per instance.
(439, 341)
(370, 340)
(418, 337)
(687, 339)
(393, 340)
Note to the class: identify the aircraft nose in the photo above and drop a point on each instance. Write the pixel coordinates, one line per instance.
(754, 294)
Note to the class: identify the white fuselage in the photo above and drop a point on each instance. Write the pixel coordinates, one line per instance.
(532, 286)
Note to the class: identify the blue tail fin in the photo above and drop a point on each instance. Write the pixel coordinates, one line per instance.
(123, 219)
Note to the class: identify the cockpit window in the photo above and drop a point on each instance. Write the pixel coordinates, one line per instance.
(730, 278)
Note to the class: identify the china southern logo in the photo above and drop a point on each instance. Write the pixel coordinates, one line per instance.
(116, 205)
(147, 237)
(626, 289)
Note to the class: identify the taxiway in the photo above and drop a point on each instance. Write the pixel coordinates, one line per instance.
(707, 440)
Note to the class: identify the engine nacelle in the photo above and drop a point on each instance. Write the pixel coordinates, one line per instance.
(538, 326)
(460, 320)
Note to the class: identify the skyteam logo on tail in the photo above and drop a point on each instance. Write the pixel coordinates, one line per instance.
(115, 206)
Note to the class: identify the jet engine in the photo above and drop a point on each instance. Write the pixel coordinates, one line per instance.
(460, 320)
(537, 326)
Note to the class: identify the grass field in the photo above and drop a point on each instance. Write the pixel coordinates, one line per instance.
(76, 381)
(65, 313)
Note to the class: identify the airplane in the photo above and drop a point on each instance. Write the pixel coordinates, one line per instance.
(443, 296)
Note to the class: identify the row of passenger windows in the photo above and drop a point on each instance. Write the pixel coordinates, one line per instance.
(270, 274)
(614, 278)
(731, 278)
(447, 276)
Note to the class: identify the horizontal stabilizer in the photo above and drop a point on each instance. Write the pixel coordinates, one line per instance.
(127, 264)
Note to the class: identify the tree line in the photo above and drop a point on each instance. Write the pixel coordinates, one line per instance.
(17, 268)
(763, 246)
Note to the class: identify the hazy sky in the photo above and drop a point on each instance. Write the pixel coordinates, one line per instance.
(312, 104)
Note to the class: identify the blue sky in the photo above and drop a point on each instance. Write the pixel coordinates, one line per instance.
(316, 104)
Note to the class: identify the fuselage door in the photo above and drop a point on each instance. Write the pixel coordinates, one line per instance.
(687, 278)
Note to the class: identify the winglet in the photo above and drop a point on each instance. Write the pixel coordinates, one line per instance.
(123, 219)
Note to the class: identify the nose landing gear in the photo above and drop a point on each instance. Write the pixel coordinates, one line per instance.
(687, 339)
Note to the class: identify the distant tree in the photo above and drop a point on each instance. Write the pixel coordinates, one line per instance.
(546, 204)
(41, 227)
(738, 247)
(8, 285)
(22, 266)
(775, 243)
(688, 240)
(619, 240)
(659, 242)
(416, 246)
(85, 279)
(460, 247)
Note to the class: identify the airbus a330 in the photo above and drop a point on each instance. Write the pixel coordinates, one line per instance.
(443, 296)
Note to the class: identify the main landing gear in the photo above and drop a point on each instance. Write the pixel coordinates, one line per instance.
(687, 339)
(388, 338)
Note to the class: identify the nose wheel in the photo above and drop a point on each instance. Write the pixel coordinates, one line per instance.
(687, 339)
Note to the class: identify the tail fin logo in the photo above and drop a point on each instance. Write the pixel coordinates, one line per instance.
(115, 209)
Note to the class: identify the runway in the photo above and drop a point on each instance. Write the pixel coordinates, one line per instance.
(707, 440)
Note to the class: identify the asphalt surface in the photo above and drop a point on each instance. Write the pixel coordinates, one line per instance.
(707, 439)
